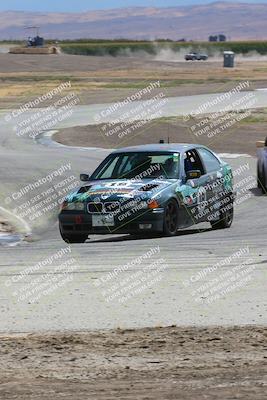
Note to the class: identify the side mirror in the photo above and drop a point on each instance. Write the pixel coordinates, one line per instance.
(84, 177)
(194, 174)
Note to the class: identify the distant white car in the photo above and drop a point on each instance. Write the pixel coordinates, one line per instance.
(196, 57)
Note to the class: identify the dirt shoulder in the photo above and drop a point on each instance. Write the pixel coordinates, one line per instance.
(158, 363)
(98, 80)
(239, 139)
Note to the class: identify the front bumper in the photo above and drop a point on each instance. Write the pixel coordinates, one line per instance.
(75, 222)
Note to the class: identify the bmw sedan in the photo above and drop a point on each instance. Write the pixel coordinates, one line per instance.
(155, 188)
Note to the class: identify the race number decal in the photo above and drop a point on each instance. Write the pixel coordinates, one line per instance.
(119, 185)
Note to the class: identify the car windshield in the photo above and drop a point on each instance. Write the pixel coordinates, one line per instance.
(143, 165)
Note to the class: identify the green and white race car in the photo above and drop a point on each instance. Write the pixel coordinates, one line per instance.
(155, 188)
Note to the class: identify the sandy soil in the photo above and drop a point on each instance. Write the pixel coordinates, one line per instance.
(239, 139)
(109, 79)
(160, 364)
(129, 67)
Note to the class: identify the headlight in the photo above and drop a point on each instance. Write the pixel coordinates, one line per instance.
(144, 205)
(76, 206)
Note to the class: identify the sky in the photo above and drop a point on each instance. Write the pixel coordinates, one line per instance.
(83, 5)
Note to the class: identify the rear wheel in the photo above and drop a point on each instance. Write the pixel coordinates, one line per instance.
(225, 219)
(171, 218)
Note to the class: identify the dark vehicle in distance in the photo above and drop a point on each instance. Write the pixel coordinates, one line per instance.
(262, 165)
(155, 188)
(196, 57)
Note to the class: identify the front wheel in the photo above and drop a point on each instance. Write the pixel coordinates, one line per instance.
(259, 177)
(170, 218)
(73, 238)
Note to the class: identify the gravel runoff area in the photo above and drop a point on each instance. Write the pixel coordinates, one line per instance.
(239, 139)
(159, 364)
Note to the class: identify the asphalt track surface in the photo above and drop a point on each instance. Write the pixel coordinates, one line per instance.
(80, 304)
(182, 106)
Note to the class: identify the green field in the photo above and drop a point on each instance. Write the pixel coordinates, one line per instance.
(123, 47)
(95, 47)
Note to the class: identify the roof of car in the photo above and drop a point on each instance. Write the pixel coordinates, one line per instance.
(170, 147)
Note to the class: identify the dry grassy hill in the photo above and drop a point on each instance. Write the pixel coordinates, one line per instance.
(236, 20)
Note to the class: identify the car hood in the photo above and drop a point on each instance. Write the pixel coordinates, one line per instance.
(114, 189)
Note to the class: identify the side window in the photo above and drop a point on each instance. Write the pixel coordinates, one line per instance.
(210, 161)
(193, 162)
(124, 167)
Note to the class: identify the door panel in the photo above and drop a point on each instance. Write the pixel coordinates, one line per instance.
(195, 193)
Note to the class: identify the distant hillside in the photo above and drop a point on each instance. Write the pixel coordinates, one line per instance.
(236, 20)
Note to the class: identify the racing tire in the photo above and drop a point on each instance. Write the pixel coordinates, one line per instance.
(226, 219)
(259, 177)
(170, 223)
(263, 183)
(73, 238)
